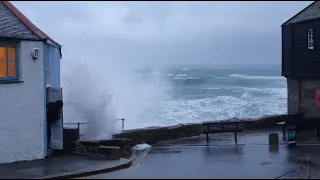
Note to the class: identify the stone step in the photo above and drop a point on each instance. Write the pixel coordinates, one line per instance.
(120, 142)
(114, 151)
(108, 148)
(90, 143)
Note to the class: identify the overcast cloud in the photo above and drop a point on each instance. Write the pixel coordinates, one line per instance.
(161, 33)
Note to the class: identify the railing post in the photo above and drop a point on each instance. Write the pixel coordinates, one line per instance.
(78, 130)
(207, 134)
(122, 123)
(235, 134)
(308, 169)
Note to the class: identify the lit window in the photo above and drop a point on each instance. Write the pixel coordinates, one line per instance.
(310, 39)
(8, 61)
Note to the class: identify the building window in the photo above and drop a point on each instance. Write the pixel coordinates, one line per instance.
(8, 61)
(310, 39)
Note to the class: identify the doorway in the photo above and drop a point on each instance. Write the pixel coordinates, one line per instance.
(56, 141)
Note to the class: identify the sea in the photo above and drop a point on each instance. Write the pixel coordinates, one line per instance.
(215, 93)
(164, 96)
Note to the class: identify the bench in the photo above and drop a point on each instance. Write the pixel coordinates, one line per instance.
(222, 127)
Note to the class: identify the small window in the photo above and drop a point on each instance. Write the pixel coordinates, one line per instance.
(8, 62)
(310, 39)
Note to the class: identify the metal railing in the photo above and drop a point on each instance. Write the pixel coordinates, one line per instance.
(78, 127)
(78, 124)
(307, 170)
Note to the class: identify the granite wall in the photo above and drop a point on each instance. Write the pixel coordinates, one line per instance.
(301, 95)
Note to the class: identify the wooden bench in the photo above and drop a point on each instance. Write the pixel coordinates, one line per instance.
(222, 127)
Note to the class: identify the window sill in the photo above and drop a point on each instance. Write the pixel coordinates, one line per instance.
(11, 81)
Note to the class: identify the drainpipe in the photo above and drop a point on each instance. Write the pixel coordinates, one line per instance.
(299, 97)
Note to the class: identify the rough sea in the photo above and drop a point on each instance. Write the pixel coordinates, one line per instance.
(214, 93)
(168, 96)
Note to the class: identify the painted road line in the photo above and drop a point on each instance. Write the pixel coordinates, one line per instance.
(136, 161)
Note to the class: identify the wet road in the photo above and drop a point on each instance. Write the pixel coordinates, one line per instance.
(188, 158)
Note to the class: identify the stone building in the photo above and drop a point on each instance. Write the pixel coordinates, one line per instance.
(301, 60)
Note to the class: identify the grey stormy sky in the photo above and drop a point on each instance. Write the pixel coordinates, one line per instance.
(164, 33)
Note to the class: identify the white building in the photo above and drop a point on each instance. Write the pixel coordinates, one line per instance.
(29, 62)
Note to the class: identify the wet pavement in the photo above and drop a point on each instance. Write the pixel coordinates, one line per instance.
(252, 157)
(55, 167)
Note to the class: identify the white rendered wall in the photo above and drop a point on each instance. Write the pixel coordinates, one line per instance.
(22, 109)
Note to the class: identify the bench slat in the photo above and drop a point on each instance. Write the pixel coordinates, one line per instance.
(227, 131)
(218, 127)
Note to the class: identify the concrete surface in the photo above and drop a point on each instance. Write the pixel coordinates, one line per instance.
(68, 166)
(252, 157)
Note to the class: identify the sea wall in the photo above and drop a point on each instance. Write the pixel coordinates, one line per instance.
(264, 122)
(153, 135)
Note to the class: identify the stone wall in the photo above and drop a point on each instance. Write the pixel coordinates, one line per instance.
(307, 104)
(154, 135)
(293, 96)
(263, 122)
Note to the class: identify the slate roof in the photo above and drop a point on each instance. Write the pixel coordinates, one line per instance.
(13, 24)
(310, 12)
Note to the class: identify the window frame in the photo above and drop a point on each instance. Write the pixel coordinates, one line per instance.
(6, 44)
(310, 39)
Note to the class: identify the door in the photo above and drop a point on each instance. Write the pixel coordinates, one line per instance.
(55, 94)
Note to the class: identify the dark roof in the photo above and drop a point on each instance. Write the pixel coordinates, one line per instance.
(28, 23)
(310, 12)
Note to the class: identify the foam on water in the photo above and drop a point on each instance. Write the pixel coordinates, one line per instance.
(256, 77)
(224, 99)
(181, 75)
(222, 107)
(218, 77)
